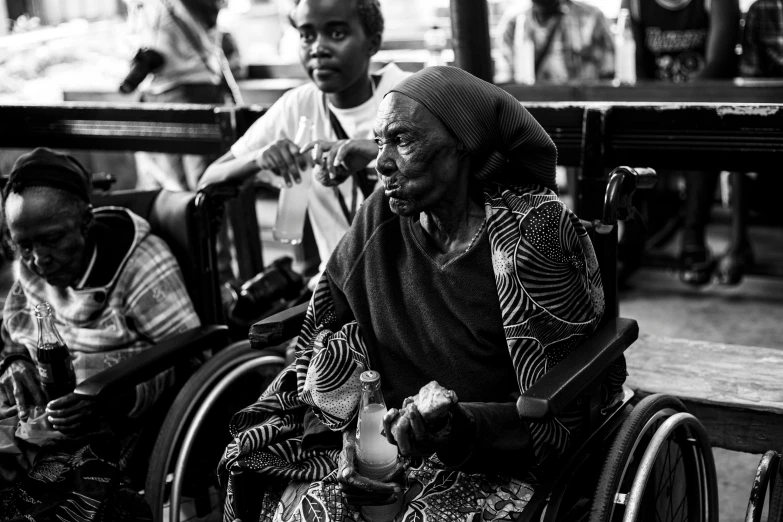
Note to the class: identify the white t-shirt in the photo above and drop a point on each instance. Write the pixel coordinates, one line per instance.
(281, 121)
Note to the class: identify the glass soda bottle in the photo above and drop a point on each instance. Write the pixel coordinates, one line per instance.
(376, 457)
(292, 203)
(54, 359)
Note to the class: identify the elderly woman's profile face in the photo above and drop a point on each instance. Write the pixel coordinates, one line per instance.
(49, 238)
(417, 156)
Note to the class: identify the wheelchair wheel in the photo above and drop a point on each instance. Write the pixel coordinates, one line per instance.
(195, 432)
(768, 478)
(776, 497)
(681, 480)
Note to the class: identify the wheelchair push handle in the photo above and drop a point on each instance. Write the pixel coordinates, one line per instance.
(623, 182)
(646, 178)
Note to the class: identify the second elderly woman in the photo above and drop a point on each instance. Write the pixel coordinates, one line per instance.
(466, 270)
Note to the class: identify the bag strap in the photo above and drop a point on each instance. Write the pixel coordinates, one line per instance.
(342, 135)
(361, 179)
(550, 37)
(227, 77)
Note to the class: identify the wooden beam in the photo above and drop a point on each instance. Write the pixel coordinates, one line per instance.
(735, 391)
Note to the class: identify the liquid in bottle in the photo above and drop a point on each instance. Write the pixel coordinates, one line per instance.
(54, 359)
(292, 202)
(376, 456)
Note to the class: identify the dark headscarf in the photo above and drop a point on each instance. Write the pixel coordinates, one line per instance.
(47, 168)
(501, 135)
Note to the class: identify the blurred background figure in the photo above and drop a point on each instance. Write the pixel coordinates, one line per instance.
(566, 40)
(181, 59)
(678, 41)
(684, 40)
(762, 40)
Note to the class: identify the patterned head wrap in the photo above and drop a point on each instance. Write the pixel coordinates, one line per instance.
(500, 134)
(47, 168)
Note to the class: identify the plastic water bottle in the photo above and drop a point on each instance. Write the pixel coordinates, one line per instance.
(624, 51)
(292, 203)
(376, 457)
(54, 358)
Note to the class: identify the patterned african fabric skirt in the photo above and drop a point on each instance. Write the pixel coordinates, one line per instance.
(80, 481)
(433, 494)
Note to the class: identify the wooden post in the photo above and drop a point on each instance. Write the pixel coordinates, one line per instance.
(470, 37)
(5, 22)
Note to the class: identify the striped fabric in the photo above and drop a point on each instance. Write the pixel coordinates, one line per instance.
(497, 131)
(762, 40)
(145, 302)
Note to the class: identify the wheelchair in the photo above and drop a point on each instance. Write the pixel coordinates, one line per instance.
(640, 460)
(184, 433)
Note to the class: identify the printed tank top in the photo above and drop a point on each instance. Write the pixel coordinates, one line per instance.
(675, 37)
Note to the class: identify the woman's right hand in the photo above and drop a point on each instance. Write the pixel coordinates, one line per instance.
(283, 158)
(360, 490)
(19, 386)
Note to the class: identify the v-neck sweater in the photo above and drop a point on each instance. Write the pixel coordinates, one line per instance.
(423, 320)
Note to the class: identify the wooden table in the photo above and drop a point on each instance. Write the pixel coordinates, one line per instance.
(739, 90)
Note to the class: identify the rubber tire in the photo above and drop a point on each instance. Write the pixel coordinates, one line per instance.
(696, 465)
(622, 448)
(181, 412)
(776, 496)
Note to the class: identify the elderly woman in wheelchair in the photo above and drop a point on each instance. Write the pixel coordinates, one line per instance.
(115, 291)
(467, 270)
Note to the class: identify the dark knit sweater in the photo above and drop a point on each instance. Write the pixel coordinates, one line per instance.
(423, 321)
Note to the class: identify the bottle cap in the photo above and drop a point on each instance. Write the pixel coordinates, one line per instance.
(43, 309)
(370, 376)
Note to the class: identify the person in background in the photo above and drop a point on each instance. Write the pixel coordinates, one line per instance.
(572, 42)
(681, 41)
(762, 40)
(180, 40)
(115, 290)
(337, 39)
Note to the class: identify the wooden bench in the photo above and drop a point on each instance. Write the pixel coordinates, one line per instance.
(735, 391)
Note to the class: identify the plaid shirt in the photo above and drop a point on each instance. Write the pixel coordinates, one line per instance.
(145, 302)
(581, 48)
(762, 42)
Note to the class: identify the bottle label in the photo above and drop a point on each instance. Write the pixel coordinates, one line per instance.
(59, 372)
(45, 371)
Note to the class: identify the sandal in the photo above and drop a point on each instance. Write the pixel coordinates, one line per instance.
(732, 265)
(696, 265)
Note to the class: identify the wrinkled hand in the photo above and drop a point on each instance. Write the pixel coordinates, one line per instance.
(20, 386)
(71, 414)
(423, 424)
(339, 159)
(360, 490)
(284, 159)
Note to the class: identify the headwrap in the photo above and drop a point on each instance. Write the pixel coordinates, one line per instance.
(502, 136)
(47, 168)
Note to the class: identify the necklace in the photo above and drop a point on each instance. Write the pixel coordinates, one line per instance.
(478, 233)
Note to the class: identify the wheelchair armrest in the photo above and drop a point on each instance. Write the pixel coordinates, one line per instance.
(560, 386)
(149, 363)
(277, 328)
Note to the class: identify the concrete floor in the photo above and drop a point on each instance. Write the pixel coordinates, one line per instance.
(749, 314)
